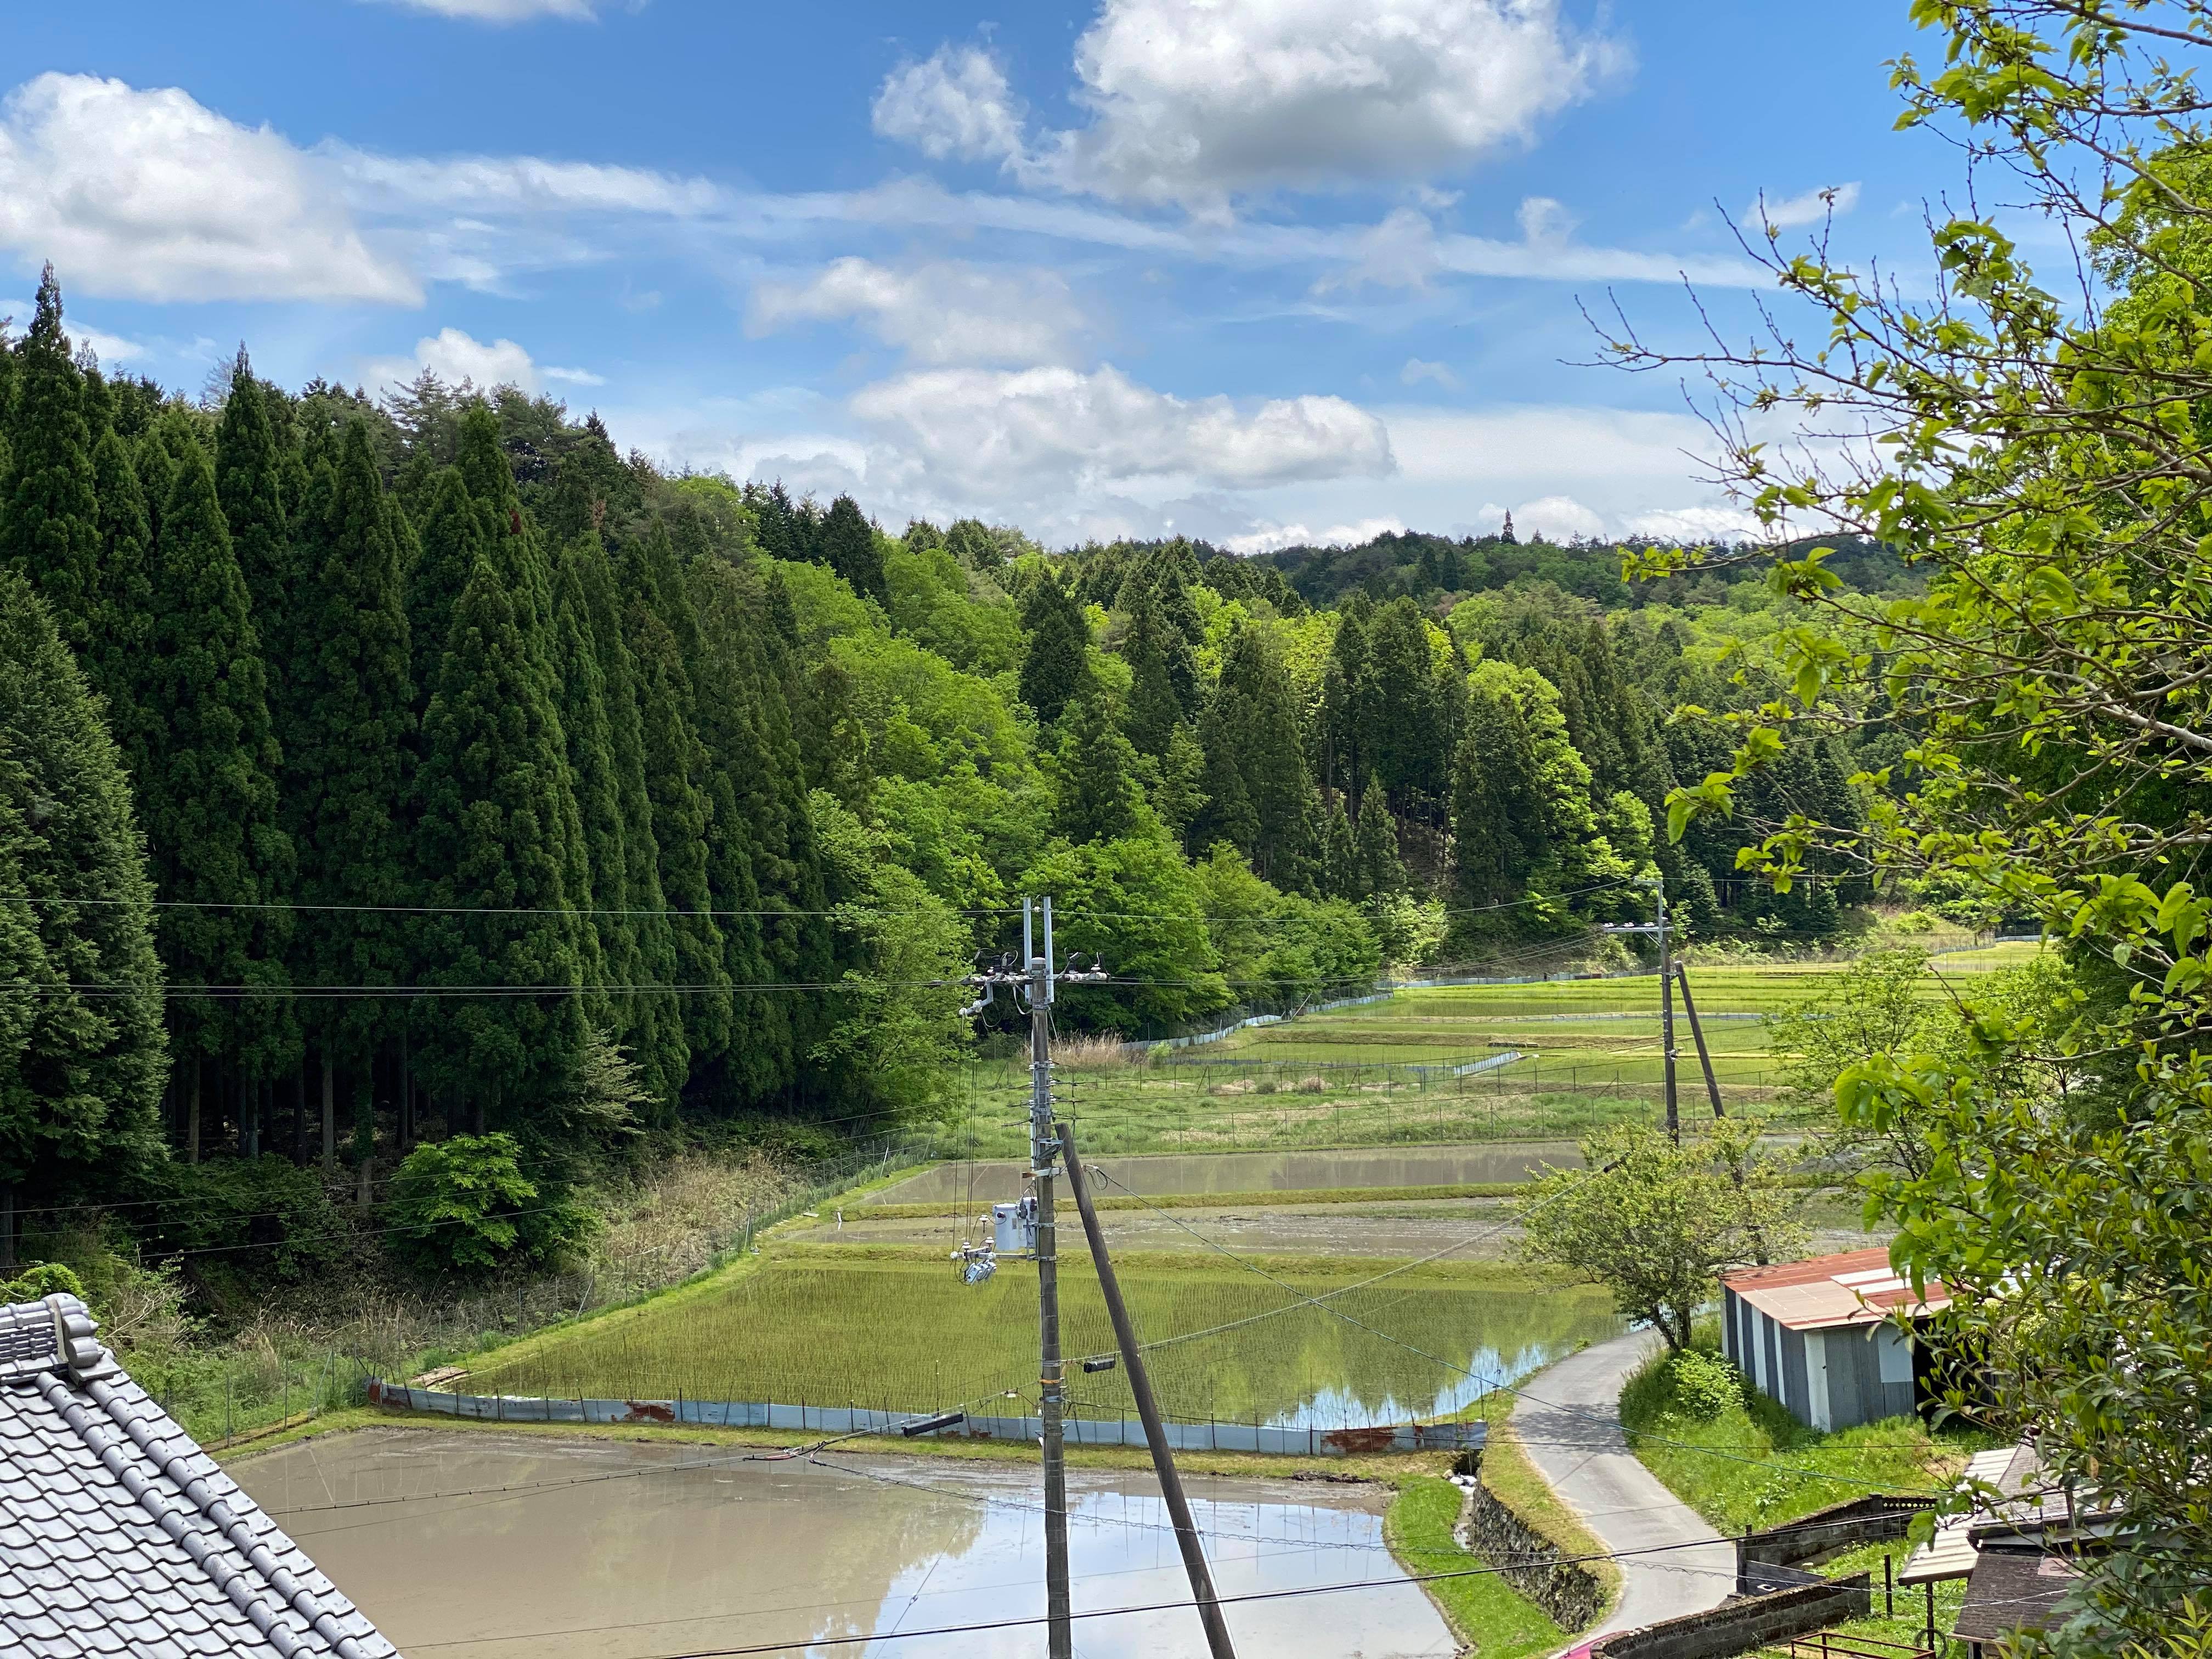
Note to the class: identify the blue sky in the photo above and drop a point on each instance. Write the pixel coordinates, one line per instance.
(1256, 270)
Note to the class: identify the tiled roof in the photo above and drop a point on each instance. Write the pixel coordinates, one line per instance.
(120, 1535)
(1855, 1288)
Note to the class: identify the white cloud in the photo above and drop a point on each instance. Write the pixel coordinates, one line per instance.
(1193, 105)
(109, 348)
(944, 311)
(1556, 518)
(955, 104)
(1024, 433)
(574, 376)
(1270, 537)
(515, 184)
(152, 195)
(455, 356)
(1405, 251)
(1810, 207)
(1696, 524)
(504, 11)
(1419, 370)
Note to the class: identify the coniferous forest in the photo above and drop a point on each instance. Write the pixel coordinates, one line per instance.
(379, 770)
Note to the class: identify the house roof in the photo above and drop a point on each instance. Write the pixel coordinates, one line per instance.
(1855, 1288)
(2013, 1590)
(120, 1535)
(1951, 1553)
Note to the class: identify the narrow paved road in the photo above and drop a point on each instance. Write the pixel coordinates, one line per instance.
(1569, 1420)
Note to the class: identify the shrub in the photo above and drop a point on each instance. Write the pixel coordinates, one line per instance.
(1704, 1385)
(250, 1217)
(1917, 922)
(37, 1283)
(465, 1206)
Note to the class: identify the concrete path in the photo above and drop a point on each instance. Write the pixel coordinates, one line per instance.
(1569, 1422)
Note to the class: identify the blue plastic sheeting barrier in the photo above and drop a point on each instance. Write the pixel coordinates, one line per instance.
(854, 1419)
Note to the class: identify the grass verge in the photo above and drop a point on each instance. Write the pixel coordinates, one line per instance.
(1513, 1480)
(1752, 1464)
(1485, 1610)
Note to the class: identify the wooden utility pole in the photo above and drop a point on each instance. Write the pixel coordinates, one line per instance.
(1148, 1412)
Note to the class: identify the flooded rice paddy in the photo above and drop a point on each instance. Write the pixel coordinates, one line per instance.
(1177, 1174)
(498, 1546)
(904, 1334)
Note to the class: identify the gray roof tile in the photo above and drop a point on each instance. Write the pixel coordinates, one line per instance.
(86, 1568)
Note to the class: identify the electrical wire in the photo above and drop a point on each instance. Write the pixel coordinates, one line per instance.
(1496, 1383)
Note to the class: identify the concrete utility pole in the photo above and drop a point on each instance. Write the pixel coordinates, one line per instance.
(1044, 1142)
(1666, 1011)
(1698, 1034)
(1657, 927)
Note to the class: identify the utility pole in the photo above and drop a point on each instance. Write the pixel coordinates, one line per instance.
(1657, 927)
(1148, 1412)
(1666, 1011)
(1034, 978)
(1698, 1033)
(1044, 1141)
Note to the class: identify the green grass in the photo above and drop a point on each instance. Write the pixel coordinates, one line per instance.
(1498, 1620)
(1591, 1050)
(894, 1330)
(1754, 1465)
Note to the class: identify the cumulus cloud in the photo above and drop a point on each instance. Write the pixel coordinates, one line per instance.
(1418, 369)
(1195, 105)
(1019, 433)
(1271, 537)
(1556, 518)
(151, 195)
(1696, 524)
(455, 356)
(504, 11)
(943, 312)
(1808, 207)
(953, 104)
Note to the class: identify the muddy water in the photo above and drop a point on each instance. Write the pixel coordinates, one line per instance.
(595, 1549)
(1258, 1172)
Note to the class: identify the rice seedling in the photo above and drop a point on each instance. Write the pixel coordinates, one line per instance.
(894, 1332)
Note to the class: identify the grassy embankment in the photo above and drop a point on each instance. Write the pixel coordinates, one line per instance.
(1753, 1465)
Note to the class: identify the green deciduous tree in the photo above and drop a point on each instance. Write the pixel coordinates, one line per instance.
(465, 1206)
(1657, 1222)
(2034, 450)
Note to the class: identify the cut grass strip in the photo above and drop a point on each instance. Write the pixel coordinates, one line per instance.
(1485, 1611)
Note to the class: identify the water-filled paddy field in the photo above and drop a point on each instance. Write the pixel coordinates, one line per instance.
(1441, 1064)
(604, 1549)
(899, 1331)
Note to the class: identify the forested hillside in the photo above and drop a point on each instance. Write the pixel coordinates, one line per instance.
(373, 770)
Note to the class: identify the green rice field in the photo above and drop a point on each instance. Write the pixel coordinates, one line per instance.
(899, 1331)
(1458, 1063)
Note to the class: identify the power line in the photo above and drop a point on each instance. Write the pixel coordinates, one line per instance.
(1498, 1384)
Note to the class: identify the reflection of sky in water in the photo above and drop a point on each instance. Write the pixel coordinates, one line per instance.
(1335, 1408)
(1121, 1552)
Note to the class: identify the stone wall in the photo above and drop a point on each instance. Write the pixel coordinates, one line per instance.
(1567, 1590)
(1740, 1626)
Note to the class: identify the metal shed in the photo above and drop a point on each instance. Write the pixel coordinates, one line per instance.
(1821, 1336)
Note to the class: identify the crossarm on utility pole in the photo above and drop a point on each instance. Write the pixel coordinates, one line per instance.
(1148, 1410)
